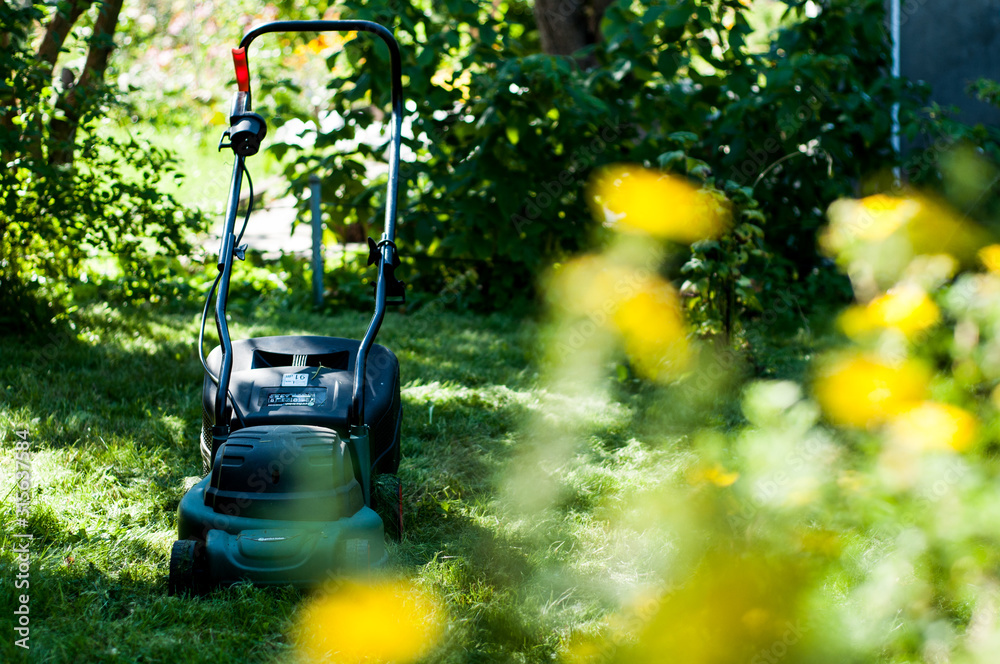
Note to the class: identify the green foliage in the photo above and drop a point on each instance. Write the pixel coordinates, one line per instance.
(956, 160)
(504, 139)
(440, 44)
(108, 201)
(819, 99)
(716, 284)
(715, 279)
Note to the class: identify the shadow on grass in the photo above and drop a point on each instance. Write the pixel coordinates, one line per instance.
(130, 380)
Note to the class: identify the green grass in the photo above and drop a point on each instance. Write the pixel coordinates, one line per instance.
(114, 415)
(204, 169)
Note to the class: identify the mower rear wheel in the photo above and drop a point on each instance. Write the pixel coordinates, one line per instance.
(387, 501)
(188, 573)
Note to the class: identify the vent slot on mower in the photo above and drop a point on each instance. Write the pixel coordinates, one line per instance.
(264, 358)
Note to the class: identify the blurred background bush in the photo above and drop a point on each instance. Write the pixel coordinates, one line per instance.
(781, 107)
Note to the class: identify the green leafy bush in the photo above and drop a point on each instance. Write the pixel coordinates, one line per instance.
(502, 140)
(106, 202)
(505, 139)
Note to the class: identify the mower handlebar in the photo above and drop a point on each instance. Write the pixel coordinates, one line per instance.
(396, 73)
(387, 248)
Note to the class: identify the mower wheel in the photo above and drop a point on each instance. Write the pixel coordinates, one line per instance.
(188, 575)
(387, 501)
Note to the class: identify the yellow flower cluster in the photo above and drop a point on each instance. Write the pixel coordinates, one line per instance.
(618, 291)
(875, 239)
(643, 310)
(388, 621)
(861, 390)
(989, 256)
(714, 474)
(654, 331)
(929, 227)
(638, 199)
(906, 308)
(881, 241)
(932, 427)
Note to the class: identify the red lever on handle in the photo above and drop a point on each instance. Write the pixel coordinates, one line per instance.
(242, 69)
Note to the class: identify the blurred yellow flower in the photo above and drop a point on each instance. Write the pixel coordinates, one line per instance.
(318, 44)
(715, 474)
(654, 331)
(734, 608)
(642, 309)
(931, 227)
(326, 42)
(872, 218)
(856, 321)
(938, 230)
(665, 206)
(379, 622)
(591, 285)
(876, 239)
(932, 426)
(990, 257)
(906, 308)
(863, 391)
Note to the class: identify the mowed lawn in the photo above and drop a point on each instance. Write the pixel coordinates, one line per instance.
(113, 411)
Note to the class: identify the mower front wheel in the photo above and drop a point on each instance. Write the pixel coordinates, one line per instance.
(188, 572)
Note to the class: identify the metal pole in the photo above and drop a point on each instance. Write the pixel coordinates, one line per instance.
(894, 25)
(317, 228)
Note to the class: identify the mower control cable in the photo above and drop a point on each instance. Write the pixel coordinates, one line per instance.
(240, 252)
(384, 452)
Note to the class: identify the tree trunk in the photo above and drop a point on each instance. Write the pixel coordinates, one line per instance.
(8, 102)
(58, 30)
(62, 131)
(566, 26)
(7, 105)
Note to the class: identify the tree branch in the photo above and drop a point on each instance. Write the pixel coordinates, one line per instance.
(58, 29)
(62, 134)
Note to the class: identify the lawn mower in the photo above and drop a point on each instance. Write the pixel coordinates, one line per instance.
(300, 436)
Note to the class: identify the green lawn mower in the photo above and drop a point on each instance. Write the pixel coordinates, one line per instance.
(301, 434)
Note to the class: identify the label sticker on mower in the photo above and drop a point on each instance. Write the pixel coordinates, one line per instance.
(295, 380)
(291, 399)
(276, 397)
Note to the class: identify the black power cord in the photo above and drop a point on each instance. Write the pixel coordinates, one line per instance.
(208, 303)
